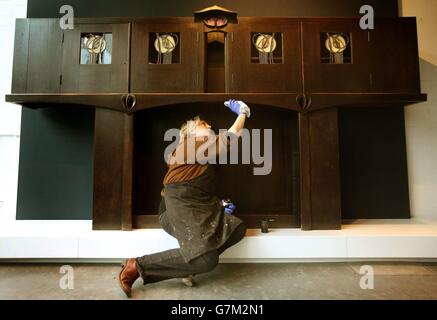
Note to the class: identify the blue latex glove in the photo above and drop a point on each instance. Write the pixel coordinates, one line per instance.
(233, 105)
(238, 107)
(229, 208)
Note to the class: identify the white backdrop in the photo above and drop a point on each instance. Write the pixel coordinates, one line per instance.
(10, 115)
(421, 119)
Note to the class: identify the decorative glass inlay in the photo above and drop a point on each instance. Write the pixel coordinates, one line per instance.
(335, 47)
(164, 48)
(216, 22)
(96, 48)
(266, 47)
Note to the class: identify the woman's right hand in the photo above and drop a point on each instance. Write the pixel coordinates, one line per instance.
(238, 107)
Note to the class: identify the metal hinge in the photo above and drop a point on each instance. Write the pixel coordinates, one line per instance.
(60, 79)
(63, 35)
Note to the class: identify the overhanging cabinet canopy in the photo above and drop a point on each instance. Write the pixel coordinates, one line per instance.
(302, 64)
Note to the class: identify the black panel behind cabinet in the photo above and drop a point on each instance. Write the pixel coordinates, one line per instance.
(166, 8)
(246, 74)
(55, 178)
(37, 56)
(184, 74)
(395, 61)
(374, 181)
(77, 76)
(273, 196)
(321, 77)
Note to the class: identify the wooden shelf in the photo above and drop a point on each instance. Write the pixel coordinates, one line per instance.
(42, 100)
(280, 100)
(149, 100)
(252, 220)
(357, 100)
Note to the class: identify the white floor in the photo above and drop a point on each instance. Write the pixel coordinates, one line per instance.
(395, 239)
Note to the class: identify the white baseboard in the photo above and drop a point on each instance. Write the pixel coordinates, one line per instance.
(45, 241)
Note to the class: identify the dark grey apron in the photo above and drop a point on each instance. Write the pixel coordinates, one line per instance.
(196, 216)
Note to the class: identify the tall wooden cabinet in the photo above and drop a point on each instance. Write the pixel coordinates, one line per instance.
(384, 60)
(309, 66)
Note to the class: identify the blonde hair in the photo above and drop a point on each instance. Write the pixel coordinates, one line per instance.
(188, 127)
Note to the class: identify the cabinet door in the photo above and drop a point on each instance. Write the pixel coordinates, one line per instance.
(264, 56)
(167, 57)
(37, 56)
(335, 56)
(395, 60)
(96, 58)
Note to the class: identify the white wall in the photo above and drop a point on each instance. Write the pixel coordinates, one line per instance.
(421, 119)
(10, 115)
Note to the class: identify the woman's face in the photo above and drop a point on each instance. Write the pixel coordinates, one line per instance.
(203, 128)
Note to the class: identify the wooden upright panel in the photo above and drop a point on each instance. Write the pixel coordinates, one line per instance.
(113, 135)
(320, 170)
(395, 58)
(21, 52)
(37, 56)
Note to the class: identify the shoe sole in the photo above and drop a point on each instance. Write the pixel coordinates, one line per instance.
(188, 281)
(127, 292)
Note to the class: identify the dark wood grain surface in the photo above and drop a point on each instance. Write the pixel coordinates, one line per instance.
(112, 170)
(320, 170)
(128, 170)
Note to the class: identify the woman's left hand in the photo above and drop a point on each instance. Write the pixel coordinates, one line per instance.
(229, 208)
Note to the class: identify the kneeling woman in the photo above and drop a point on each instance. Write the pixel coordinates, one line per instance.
(190, 210)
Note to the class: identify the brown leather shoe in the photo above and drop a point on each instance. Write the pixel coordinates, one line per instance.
(188, 281)
(128, 275)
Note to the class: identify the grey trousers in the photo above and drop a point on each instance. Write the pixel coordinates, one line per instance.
(170, 264)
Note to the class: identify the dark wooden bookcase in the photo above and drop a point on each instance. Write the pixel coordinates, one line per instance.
(296, 87)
